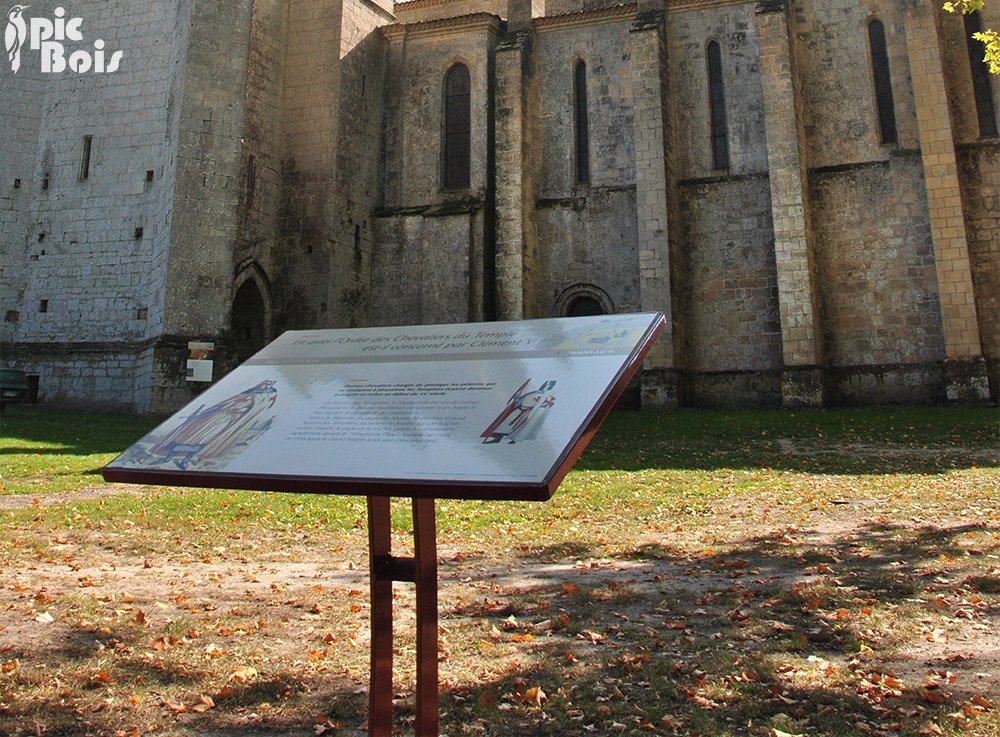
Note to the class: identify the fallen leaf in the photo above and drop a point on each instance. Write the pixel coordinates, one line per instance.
(100, 677)
(203, 704)
(324, 725)
(534, 696)
(934, 695)
(242, 675)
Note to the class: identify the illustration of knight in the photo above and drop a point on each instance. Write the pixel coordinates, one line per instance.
(523, 416)
(209, 436)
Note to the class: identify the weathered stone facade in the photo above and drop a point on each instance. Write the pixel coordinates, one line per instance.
(280, 164)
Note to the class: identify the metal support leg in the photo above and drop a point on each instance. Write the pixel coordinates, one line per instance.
(425, 552)
(380, 686)
(422, 570)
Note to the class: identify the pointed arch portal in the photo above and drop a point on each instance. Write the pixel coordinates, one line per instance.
(250, 319)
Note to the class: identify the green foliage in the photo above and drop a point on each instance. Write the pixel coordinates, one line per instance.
(989, 37)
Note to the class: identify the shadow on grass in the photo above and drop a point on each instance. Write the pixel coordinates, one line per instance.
(36, 430)
(830, 441)
(825, 636)
(775, 633)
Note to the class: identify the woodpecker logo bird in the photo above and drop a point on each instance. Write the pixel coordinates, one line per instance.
(15, 35)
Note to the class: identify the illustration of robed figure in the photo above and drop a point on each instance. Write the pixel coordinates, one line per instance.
(211, 434)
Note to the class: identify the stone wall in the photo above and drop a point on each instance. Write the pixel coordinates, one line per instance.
(308, 110)
(301, 150)
(978, 164)
(725, 272)
(93, 376)
(419, 58)
(263, 143)
(431, 245)
(841, 123)
(418, 11)
(356, 184)
(602, 44)
(204, 215)
(427, 267)
(732, 345)
(586, 232)
(688, 32)
(588, 242)
(880, 305)
(89, 251)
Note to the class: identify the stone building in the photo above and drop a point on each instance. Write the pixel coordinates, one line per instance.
(809, 190)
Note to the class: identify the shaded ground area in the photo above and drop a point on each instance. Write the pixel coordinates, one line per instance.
(888, 623)
(767, 585)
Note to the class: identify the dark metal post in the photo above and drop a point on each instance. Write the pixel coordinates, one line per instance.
(380, 685)
(425, 552)
(421, 570)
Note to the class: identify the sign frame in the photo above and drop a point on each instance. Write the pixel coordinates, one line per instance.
(429, 488)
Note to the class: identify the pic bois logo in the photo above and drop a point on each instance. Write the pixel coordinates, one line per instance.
(57, 41)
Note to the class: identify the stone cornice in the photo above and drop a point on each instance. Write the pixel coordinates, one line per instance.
(419, 4)
(701, 4)
(623, 12)
(443, 26)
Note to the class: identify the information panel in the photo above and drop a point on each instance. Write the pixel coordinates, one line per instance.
(494, 410)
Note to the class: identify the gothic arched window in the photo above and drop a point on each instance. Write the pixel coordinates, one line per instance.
(717, 107)
(457, 127)
(883, 82)
(582, 128)
(980, 77)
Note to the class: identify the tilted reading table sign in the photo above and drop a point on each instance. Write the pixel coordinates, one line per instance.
(496, 411)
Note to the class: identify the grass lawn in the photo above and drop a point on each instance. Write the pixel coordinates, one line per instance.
(699, 573)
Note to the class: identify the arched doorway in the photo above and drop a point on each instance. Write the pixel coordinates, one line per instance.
(249, 322)
(581, 300)
(583, 306)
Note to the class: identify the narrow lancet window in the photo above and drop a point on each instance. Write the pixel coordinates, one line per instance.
(980, 77)
(582, 126)
(457, 127)
(88, 143)
(717, 107)
(883, 82)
